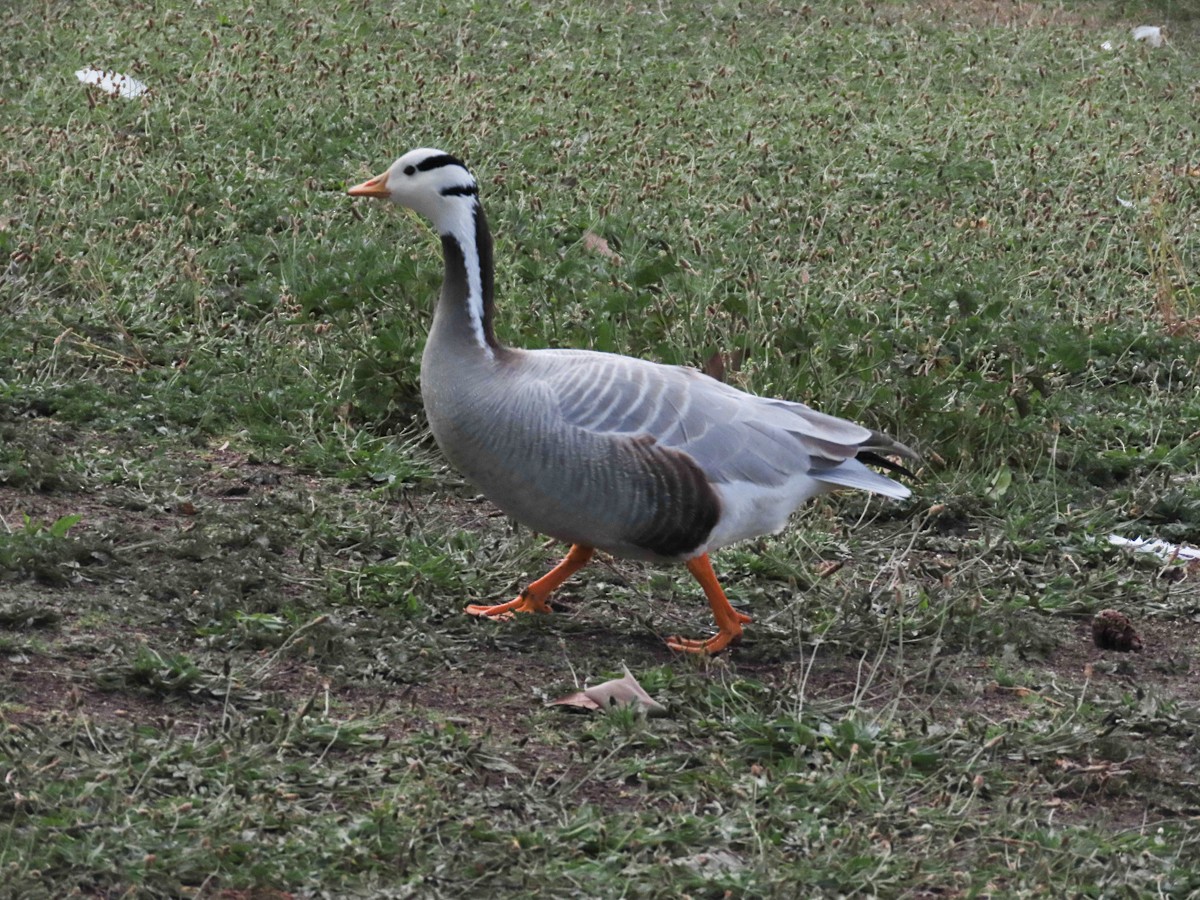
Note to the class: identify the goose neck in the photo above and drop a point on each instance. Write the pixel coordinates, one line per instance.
(466, 308)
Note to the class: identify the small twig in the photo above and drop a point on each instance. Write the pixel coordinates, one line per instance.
(567, 659)
(337, 732)
(1024, 692)
(319, 620)
(228, 694)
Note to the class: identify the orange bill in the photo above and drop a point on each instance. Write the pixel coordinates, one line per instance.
(375, 187)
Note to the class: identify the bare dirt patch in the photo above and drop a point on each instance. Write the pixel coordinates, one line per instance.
(492, 692)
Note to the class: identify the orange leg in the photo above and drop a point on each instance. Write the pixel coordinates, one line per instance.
(534, 597)
(729, 620)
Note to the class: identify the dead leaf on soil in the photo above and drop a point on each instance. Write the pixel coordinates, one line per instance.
(624, 691)
(829, 567)
(1104, 770)
(596, 244)
(711, 864)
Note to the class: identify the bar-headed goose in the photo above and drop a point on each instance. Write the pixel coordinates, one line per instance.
(638, 459)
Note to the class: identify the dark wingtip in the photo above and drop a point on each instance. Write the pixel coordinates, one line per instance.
(876, 451)
(871, 458)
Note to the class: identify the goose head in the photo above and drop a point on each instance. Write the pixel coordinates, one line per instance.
(430, 182)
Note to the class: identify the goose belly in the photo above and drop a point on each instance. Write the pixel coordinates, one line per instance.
(627, 498)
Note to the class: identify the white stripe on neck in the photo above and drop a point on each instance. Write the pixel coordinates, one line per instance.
(458, 221)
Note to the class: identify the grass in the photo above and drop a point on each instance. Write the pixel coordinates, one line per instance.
(232, 563)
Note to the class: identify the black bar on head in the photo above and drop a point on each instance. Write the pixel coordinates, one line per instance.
(436, 162)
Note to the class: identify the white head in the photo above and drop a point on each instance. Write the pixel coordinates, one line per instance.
(439, 187)
(430, 182)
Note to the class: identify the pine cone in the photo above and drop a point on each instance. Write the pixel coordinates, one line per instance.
(1112, 630)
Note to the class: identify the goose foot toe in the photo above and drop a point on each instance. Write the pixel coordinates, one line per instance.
(527, 602)
(710, 646)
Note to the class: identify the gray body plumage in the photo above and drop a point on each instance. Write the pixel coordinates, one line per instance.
(635, 458)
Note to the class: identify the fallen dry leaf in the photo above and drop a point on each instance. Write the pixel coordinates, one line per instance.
(596, 244)
(624, 691)
(712, 863)
(829, 567)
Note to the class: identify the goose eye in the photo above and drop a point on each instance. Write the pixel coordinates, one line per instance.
(409, 170)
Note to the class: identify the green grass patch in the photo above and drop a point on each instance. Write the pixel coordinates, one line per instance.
(232, 563)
